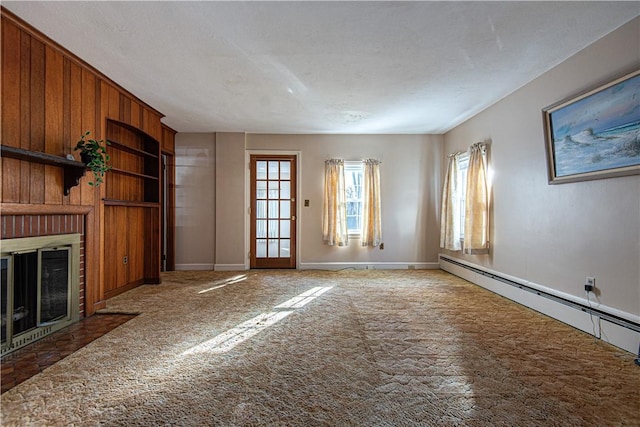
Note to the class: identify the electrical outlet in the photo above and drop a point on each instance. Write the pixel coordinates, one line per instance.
(590, 284)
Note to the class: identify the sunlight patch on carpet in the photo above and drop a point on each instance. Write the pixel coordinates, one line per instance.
(245, 330)
(229, 339)
(304, 298)
(225, 282)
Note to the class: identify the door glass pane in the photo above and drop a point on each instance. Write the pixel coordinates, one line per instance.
(285, 225)
(273, 228)
(284, 248)
(261, 248)
(261, 209)
(285, 189)
(273, 170)
(285, 170)
(285, 209)
(273, 209)
(261, 228)
(261, 170)
(273, 190)
(273, 248)
(261, 189)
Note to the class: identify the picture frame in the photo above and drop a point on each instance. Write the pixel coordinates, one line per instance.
(596, 134)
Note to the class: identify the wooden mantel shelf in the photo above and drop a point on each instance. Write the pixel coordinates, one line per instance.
(73, 170)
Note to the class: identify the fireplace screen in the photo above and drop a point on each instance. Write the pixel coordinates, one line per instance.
(37, 293)
(54, 285)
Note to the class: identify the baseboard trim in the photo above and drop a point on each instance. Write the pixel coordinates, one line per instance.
(229, 267)
(611, 325)
(194, 266)
(369, 265)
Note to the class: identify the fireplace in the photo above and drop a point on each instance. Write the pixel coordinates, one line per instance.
(40, 287)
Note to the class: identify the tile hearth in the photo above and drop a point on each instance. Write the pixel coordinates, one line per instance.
(32, 359)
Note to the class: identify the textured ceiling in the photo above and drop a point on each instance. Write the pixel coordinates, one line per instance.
(323, 67)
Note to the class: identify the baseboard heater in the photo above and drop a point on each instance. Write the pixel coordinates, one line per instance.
(589, 310)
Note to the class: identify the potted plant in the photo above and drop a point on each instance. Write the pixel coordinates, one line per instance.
(94, 155)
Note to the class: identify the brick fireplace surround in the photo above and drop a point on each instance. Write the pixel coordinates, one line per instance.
(17, 226)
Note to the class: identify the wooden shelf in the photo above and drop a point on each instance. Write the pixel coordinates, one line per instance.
(73, 170)
(131, 149)
(130, 203)
(131, 173)
(135, 164)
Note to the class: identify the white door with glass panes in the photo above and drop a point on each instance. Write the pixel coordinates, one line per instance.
(273, 210)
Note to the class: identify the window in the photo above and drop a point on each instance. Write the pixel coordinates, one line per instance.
(464, 216)
(353, 189)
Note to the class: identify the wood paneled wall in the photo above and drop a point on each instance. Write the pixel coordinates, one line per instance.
(49, 99)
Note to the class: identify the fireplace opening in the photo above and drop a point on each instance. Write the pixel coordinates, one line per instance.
(40, 287)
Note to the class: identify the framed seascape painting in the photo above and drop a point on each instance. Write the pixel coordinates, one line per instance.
(595, 135)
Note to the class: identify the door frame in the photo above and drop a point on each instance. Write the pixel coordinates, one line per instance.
(247, 199)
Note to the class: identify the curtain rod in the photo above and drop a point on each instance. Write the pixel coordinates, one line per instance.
(482, 144)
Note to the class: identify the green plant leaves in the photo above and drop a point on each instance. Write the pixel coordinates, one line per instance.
(95, 156)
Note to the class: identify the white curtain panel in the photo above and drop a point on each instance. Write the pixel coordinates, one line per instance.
(450, 210)
(371, 217)
(334, 209)
(476, 219)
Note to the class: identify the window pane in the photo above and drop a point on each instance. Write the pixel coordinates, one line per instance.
(273, 248)
(261, 189)
(273, 190)
(284, 248)
(285, 170)
(285, 209)
(273, 209)
(261, 248)
(261, 228)
(285, 228)
(273, 228)
(353, 189)
(273, 170)
(285, 189)
(353, 208)
(261, 170)
(261, 208)
(353, 224)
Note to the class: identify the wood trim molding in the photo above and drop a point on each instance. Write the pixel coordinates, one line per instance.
(7, 209)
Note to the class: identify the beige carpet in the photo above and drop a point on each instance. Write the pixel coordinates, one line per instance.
(379, 348)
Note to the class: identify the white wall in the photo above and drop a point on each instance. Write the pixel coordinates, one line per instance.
(230, 214)
(556, 235)
(410, 181)
(195, 203)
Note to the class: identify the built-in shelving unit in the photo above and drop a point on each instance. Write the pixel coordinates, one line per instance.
(73, 170)
(135, 164)
(131, 208)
